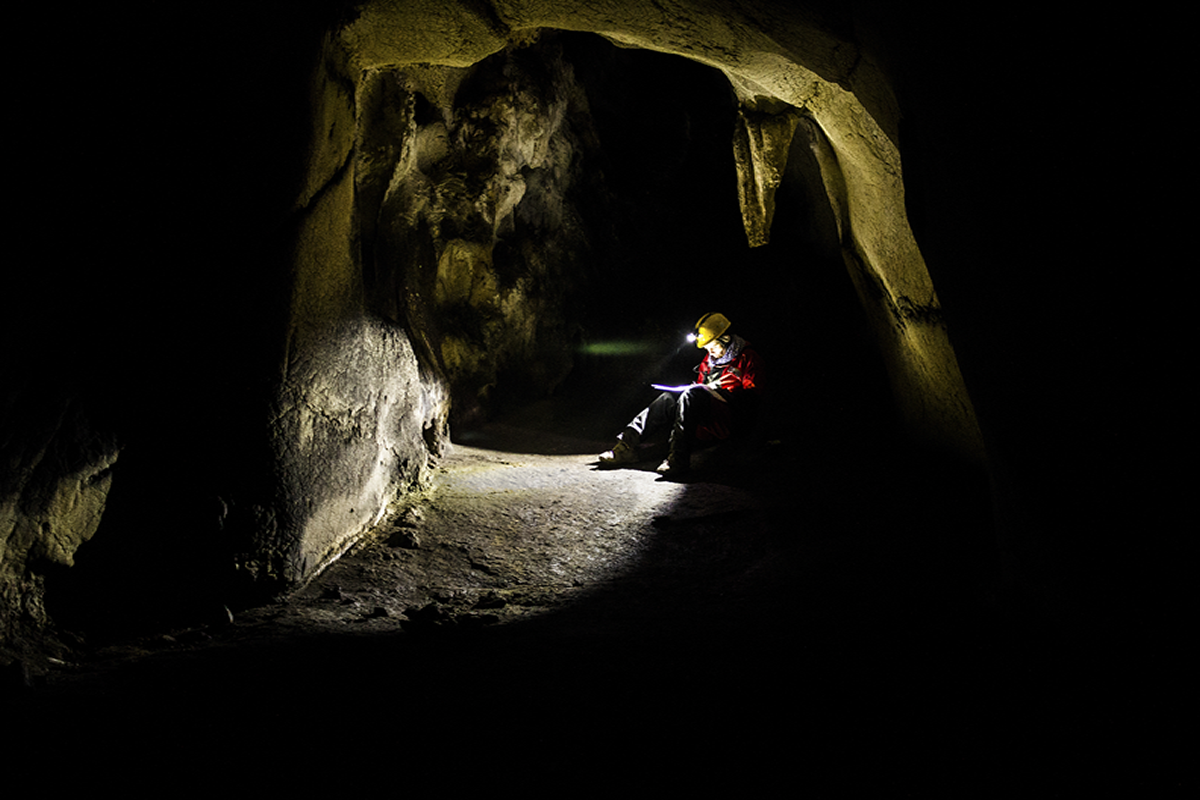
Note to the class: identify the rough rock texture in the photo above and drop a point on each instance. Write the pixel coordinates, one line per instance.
(437, 253)
(355, 429)
(439, 193)
(775, 60)
(211, 269)
(356, 417)
(477, 244)
(526, 616)
(760, 146)
(439, 198)
(56, 476)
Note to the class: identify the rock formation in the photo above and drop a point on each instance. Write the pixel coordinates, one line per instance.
(320, 240)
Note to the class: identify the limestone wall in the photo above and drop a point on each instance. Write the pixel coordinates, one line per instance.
(438, 252)
(56, 479)
(307, 381)
(781, 66)
(448, 199)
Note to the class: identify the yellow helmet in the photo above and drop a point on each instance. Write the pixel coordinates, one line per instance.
(709, 327)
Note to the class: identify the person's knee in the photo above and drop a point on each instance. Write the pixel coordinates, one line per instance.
(695, 407)
(695, 396)
(666, 400)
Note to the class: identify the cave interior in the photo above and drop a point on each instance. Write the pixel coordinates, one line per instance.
(294, 263)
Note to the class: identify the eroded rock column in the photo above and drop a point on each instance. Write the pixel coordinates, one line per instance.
(761, 143)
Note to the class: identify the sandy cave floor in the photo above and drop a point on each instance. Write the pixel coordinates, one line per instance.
(532, 614)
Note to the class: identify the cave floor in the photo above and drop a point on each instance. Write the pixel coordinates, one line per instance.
(788, 617)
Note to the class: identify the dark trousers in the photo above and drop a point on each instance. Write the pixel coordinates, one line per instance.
(677, 414)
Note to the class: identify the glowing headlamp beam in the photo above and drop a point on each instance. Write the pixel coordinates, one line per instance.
(617, 348)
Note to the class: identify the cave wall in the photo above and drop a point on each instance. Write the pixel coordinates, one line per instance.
(230, 194)
(1034, 239)
(465, 252)
(782, 67)
(53, 489)
(477, 245)
(416, 253)
(356, 420)
(436, 234)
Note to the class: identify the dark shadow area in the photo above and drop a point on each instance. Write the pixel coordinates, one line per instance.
(838, 636)
(842, 637)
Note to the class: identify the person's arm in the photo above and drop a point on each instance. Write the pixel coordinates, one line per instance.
(750, 369)
(729, 381)
(743, 376)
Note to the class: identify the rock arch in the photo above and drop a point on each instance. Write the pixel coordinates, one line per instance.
(782, 68)
(352, 414)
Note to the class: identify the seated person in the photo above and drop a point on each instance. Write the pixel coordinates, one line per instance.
(722, 402)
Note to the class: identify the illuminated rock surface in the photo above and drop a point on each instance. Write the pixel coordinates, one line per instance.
(532, 617)
(477, 246)
(475, 204)
(51, 500)
(279, 259)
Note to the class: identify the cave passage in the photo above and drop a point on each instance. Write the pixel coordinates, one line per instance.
(832, 572)
(534, 616)
(301, 402)
(627, 246)
(655, 190)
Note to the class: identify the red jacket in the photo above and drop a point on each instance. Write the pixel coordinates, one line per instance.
(739, 384)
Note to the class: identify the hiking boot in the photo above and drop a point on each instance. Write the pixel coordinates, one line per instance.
(620, 454)
(674, 466)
